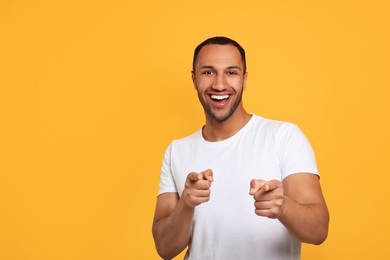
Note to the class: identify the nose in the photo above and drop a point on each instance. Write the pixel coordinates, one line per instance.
(219, 83)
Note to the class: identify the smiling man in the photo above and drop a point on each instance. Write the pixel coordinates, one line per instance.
(241, 187)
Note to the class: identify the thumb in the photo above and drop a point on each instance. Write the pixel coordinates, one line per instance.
(255, 186)
(271, 185)
(208, 175)
(193, 176)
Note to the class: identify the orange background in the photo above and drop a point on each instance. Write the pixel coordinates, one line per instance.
(92, 92)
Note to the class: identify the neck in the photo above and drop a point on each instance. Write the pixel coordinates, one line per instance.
(215, 130)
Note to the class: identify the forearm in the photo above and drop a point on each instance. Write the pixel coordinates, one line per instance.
(172, 233)
(307, 222)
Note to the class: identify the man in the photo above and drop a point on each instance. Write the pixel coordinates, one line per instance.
(203, 201)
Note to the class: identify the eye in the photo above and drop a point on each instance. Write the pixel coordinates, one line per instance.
(232, 72)
(207, 72)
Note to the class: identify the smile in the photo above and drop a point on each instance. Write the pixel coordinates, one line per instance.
(219, 97)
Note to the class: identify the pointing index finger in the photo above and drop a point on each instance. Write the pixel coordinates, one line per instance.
(255, 186)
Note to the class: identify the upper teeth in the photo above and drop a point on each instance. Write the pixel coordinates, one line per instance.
(219, 97)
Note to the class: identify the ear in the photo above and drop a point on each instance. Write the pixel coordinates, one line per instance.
(193, 78)
(245, 79)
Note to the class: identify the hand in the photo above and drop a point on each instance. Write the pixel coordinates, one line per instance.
(197, 188)
(269, 197)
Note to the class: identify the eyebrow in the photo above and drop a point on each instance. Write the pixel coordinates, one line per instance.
(234, 67)
(212, 67)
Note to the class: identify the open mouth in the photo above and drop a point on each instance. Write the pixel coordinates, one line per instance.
(219, 98)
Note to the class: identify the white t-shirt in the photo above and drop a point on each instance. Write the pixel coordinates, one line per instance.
(226, 226)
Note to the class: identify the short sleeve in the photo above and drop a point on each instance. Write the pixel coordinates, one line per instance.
(294, 151)
(167, 182)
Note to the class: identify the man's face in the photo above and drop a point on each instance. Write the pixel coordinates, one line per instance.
(219, 80)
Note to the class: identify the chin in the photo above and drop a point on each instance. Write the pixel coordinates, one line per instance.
(219, 117)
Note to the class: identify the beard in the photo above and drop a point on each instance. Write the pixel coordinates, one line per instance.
(220, 118)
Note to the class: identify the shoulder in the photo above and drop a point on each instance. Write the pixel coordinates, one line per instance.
(189, 140)
(276, 127)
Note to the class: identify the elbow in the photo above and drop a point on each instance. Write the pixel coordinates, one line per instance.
(320, 238)
(165, 253)
(316, 238)
(321, 233)
(164, 250)
(161, 250)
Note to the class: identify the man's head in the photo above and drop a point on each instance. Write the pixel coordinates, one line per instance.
(219, 78)
(219, 40)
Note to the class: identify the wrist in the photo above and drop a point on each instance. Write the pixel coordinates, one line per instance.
(185, 205)
(283, 209)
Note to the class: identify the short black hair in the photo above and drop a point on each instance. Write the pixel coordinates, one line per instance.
(219, 40)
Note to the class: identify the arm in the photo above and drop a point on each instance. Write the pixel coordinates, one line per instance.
(298, 203)
(173, 215)
(171, 225)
